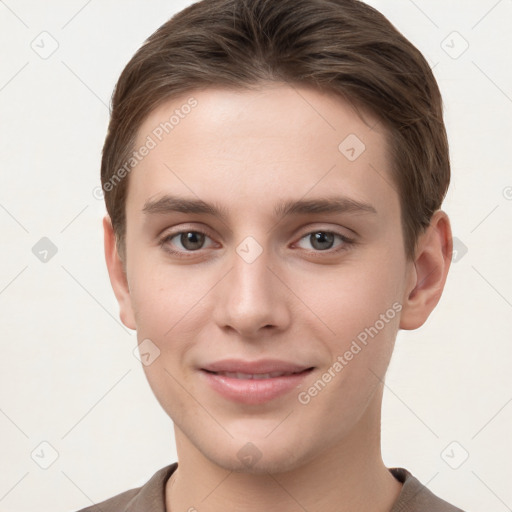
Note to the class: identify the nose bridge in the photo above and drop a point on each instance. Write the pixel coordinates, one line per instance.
(251, 275)
(251, 297)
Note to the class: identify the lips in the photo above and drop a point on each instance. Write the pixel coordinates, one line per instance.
(238, 375)
(255, 368)
(254, 382)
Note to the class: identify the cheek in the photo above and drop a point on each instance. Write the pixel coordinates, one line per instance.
(160, 295)
(360, 306)
(171, 309)
(352, 297)
(365, 323)
(168, 387)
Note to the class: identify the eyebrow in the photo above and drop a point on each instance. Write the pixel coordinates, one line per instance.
(339, 204)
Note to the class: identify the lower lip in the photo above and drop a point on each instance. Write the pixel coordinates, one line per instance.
(254, 391)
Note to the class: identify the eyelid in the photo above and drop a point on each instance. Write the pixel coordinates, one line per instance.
(185, 228)
(319, 227)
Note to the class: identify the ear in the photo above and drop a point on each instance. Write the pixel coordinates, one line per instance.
(427, 275)
(117, 274)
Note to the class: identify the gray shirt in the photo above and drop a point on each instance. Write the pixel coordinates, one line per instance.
(414, 497)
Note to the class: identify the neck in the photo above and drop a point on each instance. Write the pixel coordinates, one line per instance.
(348, 476)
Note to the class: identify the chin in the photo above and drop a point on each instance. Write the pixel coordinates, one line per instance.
(257, 458)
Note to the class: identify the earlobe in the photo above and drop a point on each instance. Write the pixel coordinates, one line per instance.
(428, 275)
(117, 275)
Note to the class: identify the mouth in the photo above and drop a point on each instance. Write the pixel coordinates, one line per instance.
(254, 388)
(257, 376)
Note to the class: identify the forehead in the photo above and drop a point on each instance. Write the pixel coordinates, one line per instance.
(256, 144)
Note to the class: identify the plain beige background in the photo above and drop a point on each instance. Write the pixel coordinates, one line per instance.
(69, 378)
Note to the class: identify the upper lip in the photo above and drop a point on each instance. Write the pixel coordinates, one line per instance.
(253, 367)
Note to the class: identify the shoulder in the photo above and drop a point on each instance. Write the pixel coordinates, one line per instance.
(415, 497)
(150, 496)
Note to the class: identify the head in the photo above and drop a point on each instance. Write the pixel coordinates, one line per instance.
(304, 148)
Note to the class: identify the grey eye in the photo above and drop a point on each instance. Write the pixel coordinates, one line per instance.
(322, 240)
(192, 240)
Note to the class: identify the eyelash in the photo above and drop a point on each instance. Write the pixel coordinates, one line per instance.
(347, 242)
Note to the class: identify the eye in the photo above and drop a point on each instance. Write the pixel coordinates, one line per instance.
(324, 240)
(185, 241)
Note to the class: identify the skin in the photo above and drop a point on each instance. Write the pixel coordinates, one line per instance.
(247, 151)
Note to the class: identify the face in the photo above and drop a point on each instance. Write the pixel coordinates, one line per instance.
(264, 226)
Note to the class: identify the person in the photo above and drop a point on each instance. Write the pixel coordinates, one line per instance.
(273, 175)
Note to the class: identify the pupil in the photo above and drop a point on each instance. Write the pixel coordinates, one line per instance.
(192, 240)
(322, 240)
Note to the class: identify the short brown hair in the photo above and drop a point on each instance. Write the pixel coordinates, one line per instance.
(341, 46)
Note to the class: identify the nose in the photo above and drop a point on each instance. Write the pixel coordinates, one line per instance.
(252, 299)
